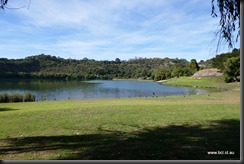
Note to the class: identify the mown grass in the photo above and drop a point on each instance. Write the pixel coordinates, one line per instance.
(213, 83)
(163, 128)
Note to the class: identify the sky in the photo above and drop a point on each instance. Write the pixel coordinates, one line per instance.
(109, 29)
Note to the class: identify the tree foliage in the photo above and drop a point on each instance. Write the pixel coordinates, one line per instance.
(229, 13)
(218, 60)
(193, 66)
(232, 69)
(228, 63)
(52, 67)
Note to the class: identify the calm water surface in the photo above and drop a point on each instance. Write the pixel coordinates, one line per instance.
(61, 90)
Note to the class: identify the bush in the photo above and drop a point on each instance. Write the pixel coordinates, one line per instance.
(232, 69)
(16, 97)
(29, 97)
(5, 98)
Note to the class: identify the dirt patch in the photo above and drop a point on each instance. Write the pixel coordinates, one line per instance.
(212, 72)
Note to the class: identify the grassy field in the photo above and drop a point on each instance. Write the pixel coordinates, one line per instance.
(163, 128)
(214, 84)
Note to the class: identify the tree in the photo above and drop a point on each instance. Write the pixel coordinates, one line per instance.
(218, 60)
(117, 60)
(177, 71)
(158, 75)
(229, 12)
(232, 69)
(193, 66)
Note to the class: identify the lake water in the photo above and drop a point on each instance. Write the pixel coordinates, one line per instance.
(62, 90)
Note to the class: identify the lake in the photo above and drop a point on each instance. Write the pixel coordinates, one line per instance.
(63, 90)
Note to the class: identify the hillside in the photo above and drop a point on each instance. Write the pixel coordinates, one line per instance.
(52, 67)
(211, 72)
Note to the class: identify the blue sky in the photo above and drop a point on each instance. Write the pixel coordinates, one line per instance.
(109, 29)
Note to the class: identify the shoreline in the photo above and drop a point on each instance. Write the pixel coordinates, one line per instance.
(207, 87)
(134, 79)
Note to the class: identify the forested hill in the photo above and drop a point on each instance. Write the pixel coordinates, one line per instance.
(46, 66)
(51, 67)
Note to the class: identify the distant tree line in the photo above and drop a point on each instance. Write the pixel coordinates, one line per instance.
(52, 67)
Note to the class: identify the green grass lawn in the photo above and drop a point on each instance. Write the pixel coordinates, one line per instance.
(215, 83)
(162, 128)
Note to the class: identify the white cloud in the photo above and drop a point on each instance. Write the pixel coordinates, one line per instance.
(103, 29)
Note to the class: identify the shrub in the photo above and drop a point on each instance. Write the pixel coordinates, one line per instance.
(5, 98)
(16, 97)
(29, 97)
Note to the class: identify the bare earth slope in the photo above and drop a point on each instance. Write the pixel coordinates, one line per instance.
(212, 72)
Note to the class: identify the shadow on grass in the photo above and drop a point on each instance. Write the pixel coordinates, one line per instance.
(172, 142)
(7, 109)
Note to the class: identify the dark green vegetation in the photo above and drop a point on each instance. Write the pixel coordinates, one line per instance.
(218, 60)
(16, 97)
(163, 128)
(232, 69)
(51, 67)
(46, 66)
(228, 63)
